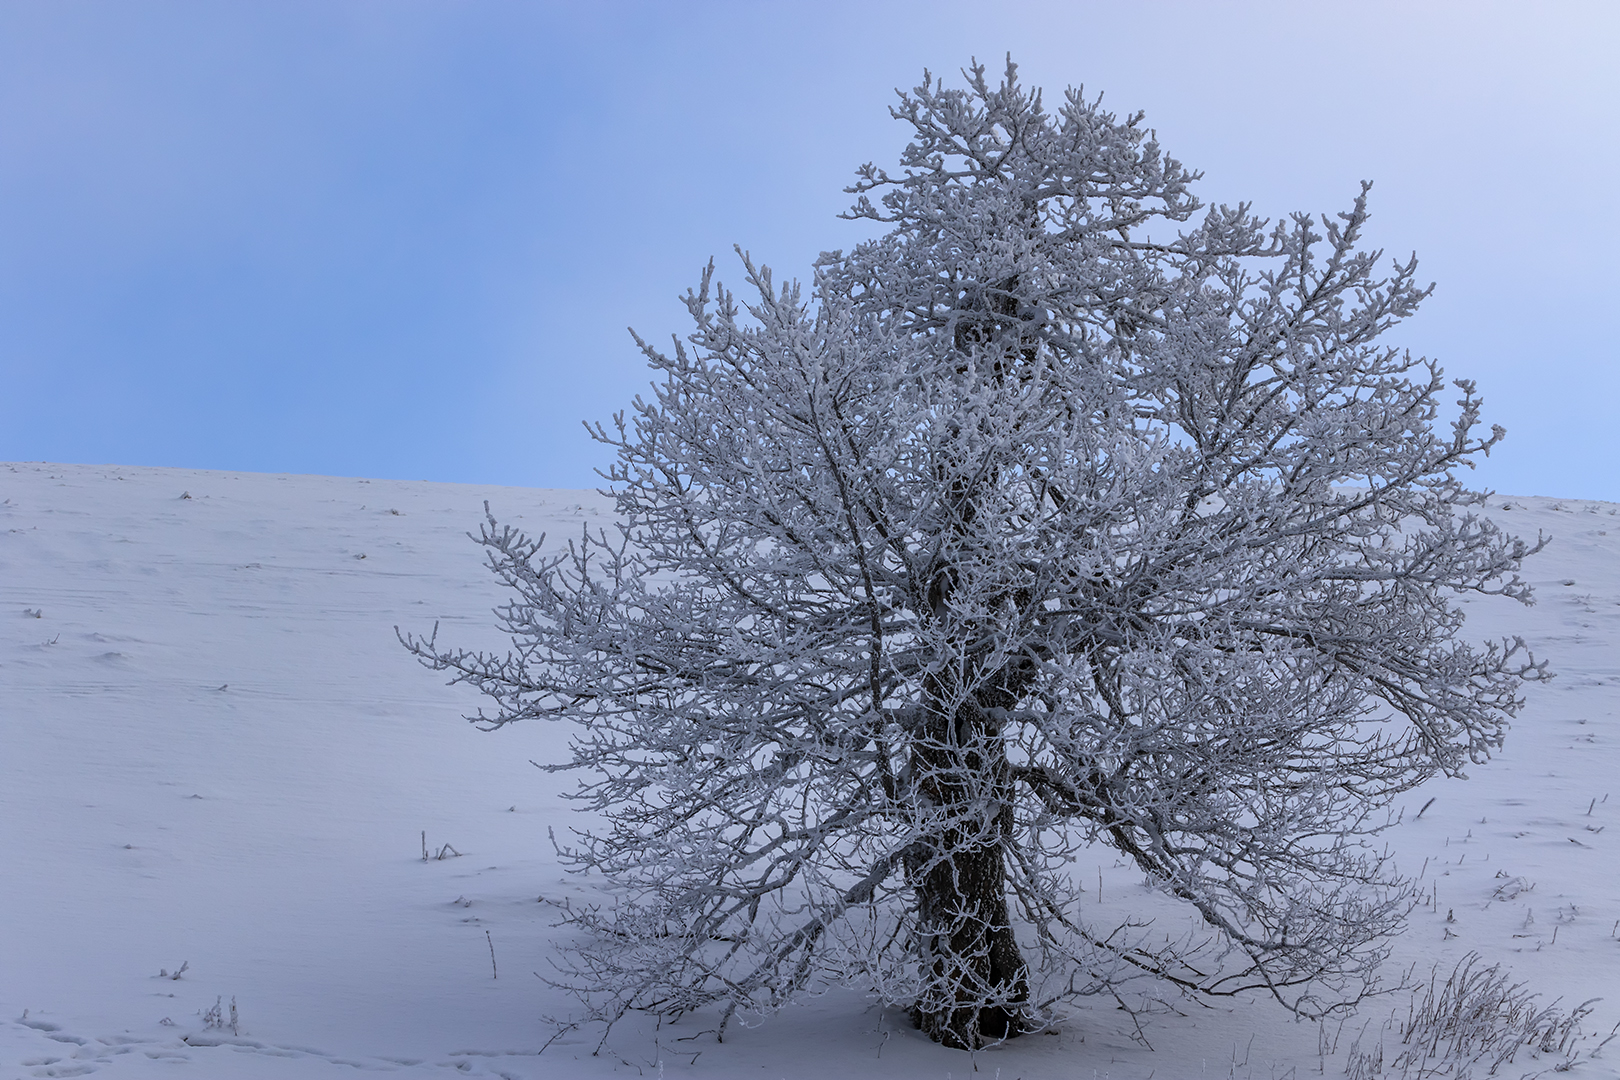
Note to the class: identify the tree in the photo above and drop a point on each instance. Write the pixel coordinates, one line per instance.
(1049, 518)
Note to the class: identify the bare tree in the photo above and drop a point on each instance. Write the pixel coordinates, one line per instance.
(1048, 519)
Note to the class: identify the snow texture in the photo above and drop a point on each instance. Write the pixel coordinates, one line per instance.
(218, 760)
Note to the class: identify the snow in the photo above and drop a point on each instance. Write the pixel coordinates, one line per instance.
(215, 754)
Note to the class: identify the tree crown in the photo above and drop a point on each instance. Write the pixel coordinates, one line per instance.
(1049, 518)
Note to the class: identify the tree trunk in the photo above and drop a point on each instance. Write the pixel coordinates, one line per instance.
(976, 983)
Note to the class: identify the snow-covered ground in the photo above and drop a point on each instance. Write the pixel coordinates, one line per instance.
(214, 757)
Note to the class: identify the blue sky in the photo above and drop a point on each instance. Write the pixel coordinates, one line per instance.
(404, 239)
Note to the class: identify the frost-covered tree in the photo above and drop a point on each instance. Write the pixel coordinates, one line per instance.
(1065, 514)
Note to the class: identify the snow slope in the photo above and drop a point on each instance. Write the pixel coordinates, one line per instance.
(214, 754)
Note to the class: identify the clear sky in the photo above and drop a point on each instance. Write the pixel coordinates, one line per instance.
(404, 239)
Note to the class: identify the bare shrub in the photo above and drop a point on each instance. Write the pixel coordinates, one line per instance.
(1473, 1025)
(216, 1019)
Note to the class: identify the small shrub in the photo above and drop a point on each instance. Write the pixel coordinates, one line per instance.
(1471, 1026)
(215, 1019)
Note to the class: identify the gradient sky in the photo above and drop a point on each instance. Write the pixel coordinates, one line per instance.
(404, 239)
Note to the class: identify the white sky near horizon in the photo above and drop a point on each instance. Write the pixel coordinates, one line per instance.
(404, 239)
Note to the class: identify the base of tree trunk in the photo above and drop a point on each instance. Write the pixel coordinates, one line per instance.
(972, 1027)
(977, 988)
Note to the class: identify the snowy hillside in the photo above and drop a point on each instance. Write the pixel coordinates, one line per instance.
(216, 759)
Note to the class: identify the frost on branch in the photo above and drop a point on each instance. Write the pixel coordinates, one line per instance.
(1066, 513)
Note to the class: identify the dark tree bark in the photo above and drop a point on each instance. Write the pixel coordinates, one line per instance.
(977, 984)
